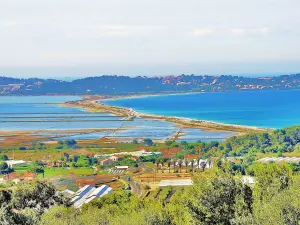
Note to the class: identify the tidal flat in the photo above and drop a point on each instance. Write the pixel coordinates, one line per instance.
(53, 118)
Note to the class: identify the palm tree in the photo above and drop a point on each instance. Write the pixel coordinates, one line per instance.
(174, 164)
(169, 165)
(157, 164)
(192, 164)
(162, 163)
(198, 162)
(179, 164)
(209, 162)
(203, 165)
(186, 162)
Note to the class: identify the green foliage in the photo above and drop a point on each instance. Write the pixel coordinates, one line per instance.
(163, 195)
(169, 142)
(83, 161)
(3, 166)
(218, 197)
(148, 142)
(270, 179)
(71, 143)
(135, 142)
(277, 141)
(39, 196)
(3, 157)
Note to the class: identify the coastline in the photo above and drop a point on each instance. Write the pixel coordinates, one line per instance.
(96, 104)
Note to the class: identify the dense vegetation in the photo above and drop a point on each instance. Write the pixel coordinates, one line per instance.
(114, 85)
(217, 196)
(278, 141)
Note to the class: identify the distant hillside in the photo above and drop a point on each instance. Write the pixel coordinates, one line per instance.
(124, 85)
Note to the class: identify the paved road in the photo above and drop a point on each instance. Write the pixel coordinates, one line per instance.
(135, 187)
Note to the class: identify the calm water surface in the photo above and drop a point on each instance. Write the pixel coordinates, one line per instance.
(43, 113)
(268, 109)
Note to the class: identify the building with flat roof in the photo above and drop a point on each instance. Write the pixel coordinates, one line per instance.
(175, 183)
(13, 163)
(280, 159)
(88, 193)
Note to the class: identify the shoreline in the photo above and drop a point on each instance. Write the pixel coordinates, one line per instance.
(96, 104)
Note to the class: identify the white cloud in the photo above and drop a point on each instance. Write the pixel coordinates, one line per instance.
(250, 31)
(9, 23)
(123, 30)
(202, 32)
(77, 54)
(238, 31)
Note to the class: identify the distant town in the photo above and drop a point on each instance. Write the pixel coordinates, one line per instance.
(114, 85)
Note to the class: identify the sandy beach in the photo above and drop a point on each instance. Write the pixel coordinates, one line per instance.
(96, 104)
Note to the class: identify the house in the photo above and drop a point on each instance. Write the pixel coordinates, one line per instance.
(117, 157)
(14, 163)
(106, 162)
(17, 177)
(168, 156)
(122, 167)
(134, 158)
(57, 163)
(88, 193)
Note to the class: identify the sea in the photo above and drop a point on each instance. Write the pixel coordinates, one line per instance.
(45, 116)
(265, 109)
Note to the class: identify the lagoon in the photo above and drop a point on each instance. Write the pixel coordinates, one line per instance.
(43, 115)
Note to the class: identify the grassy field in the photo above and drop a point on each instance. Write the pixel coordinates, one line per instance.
(50, 152)
(53, 172)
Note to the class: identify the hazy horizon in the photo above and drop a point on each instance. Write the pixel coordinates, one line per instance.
(75, 38)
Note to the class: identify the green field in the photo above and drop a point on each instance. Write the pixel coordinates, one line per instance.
(53, 172)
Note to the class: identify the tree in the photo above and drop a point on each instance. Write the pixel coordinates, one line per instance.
(37, 167)
(71, 143)
(169, 142)
(135, 142)
(186, 163)
(192, 165)
(169, 165)
(217, 197)
(179, 164)
(61, 215)
(202, 165)
(184, 143)
(270, 179)
(40, 195)
(157, 161)
(3, 166)
(3, 157)
(198, 162)
(148, 142)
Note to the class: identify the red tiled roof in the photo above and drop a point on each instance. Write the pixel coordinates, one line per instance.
(104, 160)
(191, 156)
(168, 156)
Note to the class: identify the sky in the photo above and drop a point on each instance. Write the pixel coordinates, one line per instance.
(75, 38)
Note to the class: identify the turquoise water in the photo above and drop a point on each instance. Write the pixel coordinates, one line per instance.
(38, 114)
(268, 109)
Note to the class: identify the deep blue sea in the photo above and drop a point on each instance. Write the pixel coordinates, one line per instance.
(268, 109)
